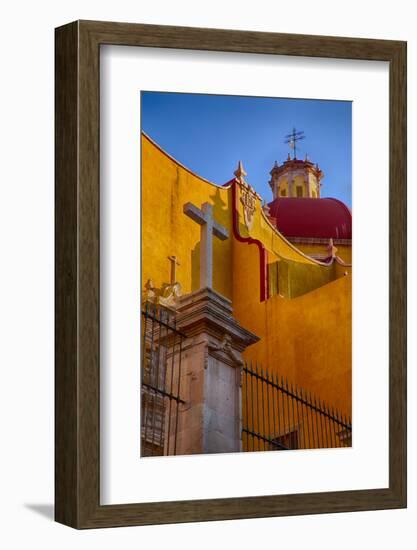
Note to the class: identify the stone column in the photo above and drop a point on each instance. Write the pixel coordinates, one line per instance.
(210, 420)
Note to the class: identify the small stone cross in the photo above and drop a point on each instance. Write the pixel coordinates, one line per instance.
(209, 227)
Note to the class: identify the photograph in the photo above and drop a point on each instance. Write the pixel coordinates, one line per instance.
(209, 256)
(246, 274)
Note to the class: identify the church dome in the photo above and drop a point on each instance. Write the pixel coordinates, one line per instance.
(311, 218)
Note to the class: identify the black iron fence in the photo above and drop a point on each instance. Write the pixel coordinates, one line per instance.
(276, 415)
(279, 416)
(160, 381)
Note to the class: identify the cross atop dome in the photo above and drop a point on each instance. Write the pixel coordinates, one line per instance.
(292, 139)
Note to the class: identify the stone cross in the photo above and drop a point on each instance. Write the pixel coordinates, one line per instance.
(209, 227)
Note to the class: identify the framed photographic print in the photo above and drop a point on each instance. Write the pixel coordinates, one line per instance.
(230, 274)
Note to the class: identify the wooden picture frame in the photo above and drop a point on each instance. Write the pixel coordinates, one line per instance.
(77, 403)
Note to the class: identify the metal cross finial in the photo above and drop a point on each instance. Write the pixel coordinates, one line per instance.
(292, 139)
(174, 263)
(209, 227)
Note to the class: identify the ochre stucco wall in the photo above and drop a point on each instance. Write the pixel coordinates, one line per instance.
(307, 339)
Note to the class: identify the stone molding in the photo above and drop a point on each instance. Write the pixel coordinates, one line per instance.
(206, 310)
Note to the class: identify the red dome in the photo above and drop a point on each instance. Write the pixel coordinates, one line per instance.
(312, 218)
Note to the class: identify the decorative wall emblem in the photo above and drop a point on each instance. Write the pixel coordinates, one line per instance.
(248, 195)
(248, 199)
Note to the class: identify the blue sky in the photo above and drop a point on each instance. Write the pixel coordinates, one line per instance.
(209, 134)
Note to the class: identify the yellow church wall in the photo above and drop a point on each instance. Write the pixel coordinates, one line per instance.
(167, 231)
(307, 339)
(342, 270)
(304, 330)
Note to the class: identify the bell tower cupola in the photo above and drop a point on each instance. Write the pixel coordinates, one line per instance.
(294, 177)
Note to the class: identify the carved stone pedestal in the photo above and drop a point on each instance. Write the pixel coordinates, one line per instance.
(210, 419)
